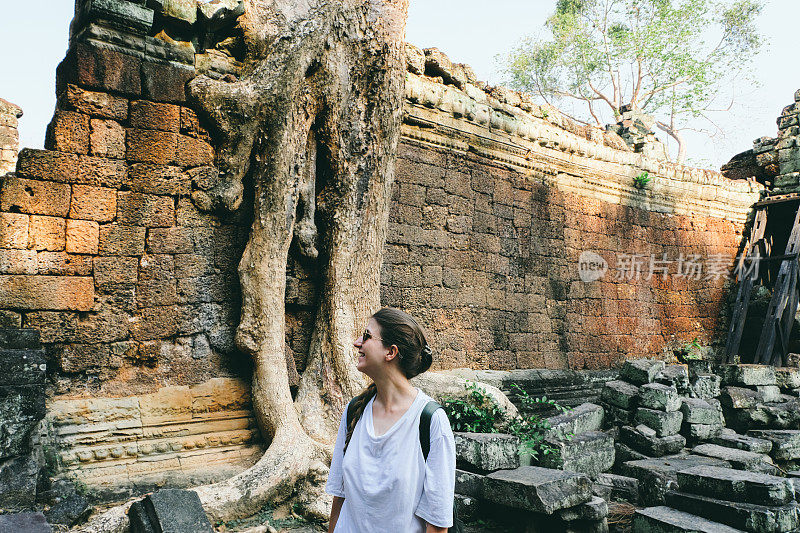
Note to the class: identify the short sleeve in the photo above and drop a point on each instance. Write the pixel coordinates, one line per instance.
(436, 503)
(335, 484)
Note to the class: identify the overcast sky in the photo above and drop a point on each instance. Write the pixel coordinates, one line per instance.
(33, 39)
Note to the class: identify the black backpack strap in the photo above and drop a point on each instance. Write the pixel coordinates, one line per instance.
(425, 426)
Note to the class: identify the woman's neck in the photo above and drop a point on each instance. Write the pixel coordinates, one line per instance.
(394, 392)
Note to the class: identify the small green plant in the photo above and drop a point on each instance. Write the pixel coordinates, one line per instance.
(479, 413)
(691, 351)
(641, 181)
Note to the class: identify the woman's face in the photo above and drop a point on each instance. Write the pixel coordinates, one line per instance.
(371, 351)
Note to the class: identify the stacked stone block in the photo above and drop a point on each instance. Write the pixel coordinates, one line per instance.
(491, 482)
(577, 443)
(783, 152)
(751, 399)
(9, 136)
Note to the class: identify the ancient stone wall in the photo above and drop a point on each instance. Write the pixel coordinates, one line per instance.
(9, 136)
(110, 249)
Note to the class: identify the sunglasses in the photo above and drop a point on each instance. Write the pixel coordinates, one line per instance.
(367, 336)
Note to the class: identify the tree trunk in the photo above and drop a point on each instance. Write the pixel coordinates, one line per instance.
(323, 101)
(675, 134)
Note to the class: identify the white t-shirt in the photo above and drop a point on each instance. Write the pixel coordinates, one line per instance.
(386, 482)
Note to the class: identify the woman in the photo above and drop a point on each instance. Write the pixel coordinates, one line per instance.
(379, 479)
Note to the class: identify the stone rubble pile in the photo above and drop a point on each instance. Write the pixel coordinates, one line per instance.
(491, 482)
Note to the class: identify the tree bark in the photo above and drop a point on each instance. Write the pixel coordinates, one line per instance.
(325, 92)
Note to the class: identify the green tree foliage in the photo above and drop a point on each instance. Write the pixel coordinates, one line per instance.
(673, 59)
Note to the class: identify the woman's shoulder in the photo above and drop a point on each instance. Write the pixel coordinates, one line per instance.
(440, 424)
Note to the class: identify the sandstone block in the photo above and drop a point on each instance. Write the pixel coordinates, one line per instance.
(705, 386)
(590, 453)
(594, 510)
(63, 264)
(166, 82)
(537, 489)
(657, 476)
(147, 115)
(739, 459)
(701, 432)
(744, 516)
(151, 146)
(116, 239)
(749, 375)
(698, 411)
(35, 197)
(115, 270)
(487, 452)
(174, 240)
(740, 398)
(156, 323)
(47, 292)
(47, 165)
(96, 104)
(138, 209)
(157, 179)
(676, 375)
(193, 152)
(731, 439)
(101, 172)
(736, 485)
(469, 484)
(650, 444)
(93, 203)
(101, 68)
(156, 292)
(663, 519)
(17, 261)
(769, 393)
(659, 397)
(14, 230)
(193, 265)
(190, 124)
(83, 236)
(785, 443)
(664, 423)
(107, 139)
(788, 378)
(617, 416)
(641, 371)
(68, 132)
(73, 358)
(620, 393)
(47, 233)
(583, 418)
(621, 487)
(170, 510)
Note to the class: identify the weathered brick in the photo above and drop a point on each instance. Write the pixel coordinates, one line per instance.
(157, 179)
(68, 132)
(170, 241)
(17, 261)
(47, 292)
(189, 215)
(47, 233)
(101, 68)
(193, 152)
(115, 270)
(156, 323)
(151, 146)
(137, 209)
(116, 239)
(73, 358)
(101, 172)
(35, 197)
(107, 139)
(96, 104)
(93, 203)
(193, 265)
(166, 82)
(82, 236)
(63, 264)
(156, 266)
(156, 292)
(153, 116)
(214, 288)
(14, 229)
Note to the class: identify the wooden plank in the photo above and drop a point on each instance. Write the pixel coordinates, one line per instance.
(745, 287)
(778, 199)
(780, 299)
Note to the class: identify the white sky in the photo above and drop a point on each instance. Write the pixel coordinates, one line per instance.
(33, 40)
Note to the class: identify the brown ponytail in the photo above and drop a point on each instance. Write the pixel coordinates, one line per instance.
(358, 403)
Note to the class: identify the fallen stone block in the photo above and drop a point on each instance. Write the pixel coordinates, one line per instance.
(659, 397)
(589, 453)
(695, 433)
(736, 485)
(533, 488)
(699, 411)
(785, 442)
(583, 418)
(731, 439)
(620, 394)
(771, 394)
(738, 459)
(626, 453)
(616, 416)
(468, 507)
(24, 523)
(657, 476)
(651, 445)
(640, 371)
(469, 484)
(486, 452)
(170, 511)
(619, 487)
(705, 386)
(676, 375)
(666, 520)
(740, 397)
(664, 423)
(787, 378)
(748, 375)
(18, 477)
(594, 510)
(745, 516)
